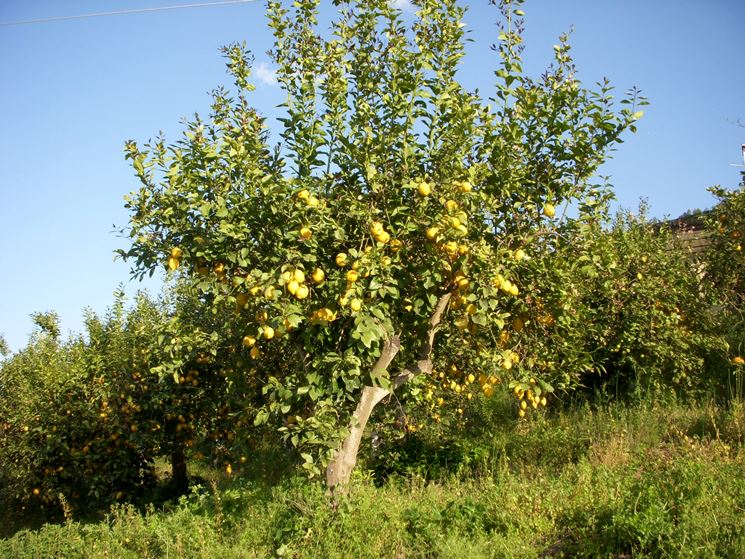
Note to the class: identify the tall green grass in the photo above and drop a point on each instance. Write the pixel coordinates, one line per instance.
(652, 480)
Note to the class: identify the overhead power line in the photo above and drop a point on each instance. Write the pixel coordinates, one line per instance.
(123, 12)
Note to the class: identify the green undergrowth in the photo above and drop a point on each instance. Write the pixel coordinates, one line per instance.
(656, 480)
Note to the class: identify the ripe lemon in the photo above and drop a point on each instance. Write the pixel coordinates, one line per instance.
(305, 233)
(383, 237)
(173, 263)
(302, 292)
(249, 341)
(352, 276)
(299, 276)
(424, 189)
(432, 233)
(549, 210)
(341, 259)
(268, 332)
(318, 275)
(176, 252)
(355, 305)
(293, 286)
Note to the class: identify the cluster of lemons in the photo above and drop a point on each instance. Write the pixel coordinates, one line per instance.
(528, 398)
(295, 283)
(310, 200)
(451, 226)
(505, 285)
(191, 378)
(459, 382)
(174, 259)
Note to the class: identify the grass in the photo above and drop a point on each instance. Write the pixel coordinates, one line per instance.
(655, 480)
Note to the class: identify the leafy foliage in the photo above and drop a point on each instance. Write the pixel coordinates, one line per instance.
(394, 190)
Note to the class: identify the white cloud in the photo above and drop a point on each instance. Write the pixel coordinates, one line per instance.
(266, 74)
(404, 5)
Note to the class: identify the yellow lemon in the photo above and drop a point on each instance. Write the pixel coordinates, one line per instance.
(318, 275)
(341, 259)
(355, 305)
(384, 237)
(549, 210)
(305, 233)
(249, 341)
(292, 287)
(302, 292)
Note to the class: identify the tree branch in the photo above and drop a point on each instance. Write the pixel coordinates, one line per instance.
(424, 364)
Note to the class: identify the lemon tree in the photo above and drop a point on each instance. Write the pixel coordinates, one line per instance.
(385, 231)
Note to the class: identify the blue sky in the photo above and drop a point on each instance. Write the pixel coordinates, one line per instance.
(73, 91)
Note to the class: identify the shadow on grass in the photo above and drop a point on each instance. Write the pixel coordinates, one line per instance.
(266, 468)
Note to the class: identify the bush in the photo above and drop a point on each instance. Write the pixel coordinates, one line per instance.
(77, 430)
(620, 308)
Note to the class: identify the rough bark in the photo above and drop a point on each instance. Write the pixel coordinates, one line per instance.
(340, 468)
(344, 460)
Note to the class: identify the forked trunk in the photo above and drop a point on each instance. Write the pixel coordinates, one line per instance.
(340, 467)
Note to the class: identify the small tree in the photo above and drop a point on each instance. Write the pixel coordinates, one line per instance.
(389, 225)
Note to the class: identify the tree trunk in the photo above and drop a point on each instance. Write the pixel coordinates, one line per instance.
(179, 475)
(340, 467)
